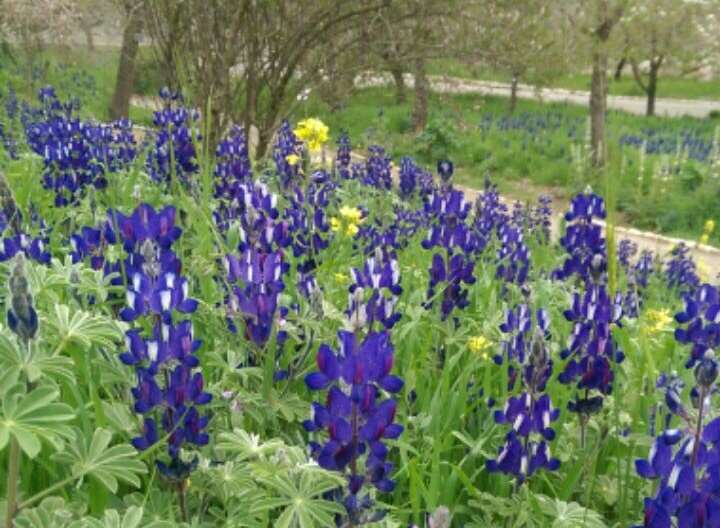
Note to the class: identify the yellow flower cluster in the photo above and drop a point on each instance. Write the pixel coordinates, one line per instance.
(479, 345)
(350, 219)
(708, 228)
(314, 132)
(656, 321)
(292, 159)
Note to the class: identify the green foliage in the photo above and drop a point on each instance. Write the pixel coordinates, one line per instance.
(97, 459)
(32, 417)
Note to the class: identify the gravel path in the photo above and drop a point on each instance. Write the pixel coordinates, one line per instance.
(633, 105)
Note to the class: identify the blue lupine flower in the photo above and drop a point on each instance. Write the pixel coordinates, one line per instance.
(591, 348)
(377, 171)
(343, 157)
(513, 256)
(256, 279)
(169, 387)
(22, 318)
(681, 270)
(583, 240)
(374, 292)
(701, 314)
(685, 459)
(530, 414)
(357, 419)
(287, 144)
(173, 152)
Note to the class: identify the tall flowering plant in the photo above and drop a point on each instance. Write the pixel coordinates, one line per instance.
(591, 351)
(685, 458)
(161, 344)
(357, 415)
(530, 414)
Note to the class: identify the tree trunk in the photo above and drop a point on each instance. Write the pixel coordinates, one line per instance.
(513, 94)
(652, 88)
(89, 38)
(598, 104)
(619, 68)
(397, 74)
(120, 106)
(420, 105)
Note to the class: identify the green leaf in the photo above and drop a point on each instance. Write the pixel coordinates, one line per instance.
(84, 329)
(569, 514)
(106, 464)
(50, 513)
(34, 363)
(33, 417)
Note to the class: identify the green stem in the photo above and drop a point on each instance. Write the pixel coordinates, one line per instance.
(12, 482)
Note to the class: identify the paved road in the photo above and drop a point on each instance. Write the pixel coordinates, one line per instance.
(633, 105)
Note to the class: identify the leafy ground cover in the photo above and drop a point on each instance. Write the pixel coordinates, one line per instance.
(195, 338)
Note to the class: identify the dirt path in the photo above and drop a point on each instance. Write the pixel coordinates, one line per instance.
(634, 105)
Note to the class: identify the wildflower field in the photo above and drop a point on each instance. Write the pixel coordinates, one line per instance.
(196, 339)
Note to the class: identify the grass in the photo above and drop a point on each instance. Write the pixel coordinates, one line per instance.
(668, 87)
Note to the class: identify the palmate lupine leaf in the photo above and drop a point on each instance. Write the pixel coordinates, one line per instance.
(32, 417)
(95, 458)
(83, 328)
(569, 514)
(299, 500)
(246, 446)
(35, 362)
(52, 512)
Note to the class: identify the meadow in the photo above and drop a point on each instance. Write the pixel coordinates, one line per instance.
(197, 338)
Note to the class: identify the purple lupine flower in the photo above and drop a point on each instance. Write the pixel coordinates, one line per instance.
(76, 154)
(374, 292)
(378, 169)
(529, 414)
(700, 314)
(446, 280)
(685, 458)
(591, 350)
(91, 243)
(626, 250)
(680, 270)
(445, 169)
(232, 165)
(343, 157)
(583, 240)
(409, 173)
(540, 219)
(513, 256)
(644, 267)
(35, 248)
(286, 144)
(490, 215)
(173, 152)
(357, 419)
(170, 388)
(257, 283)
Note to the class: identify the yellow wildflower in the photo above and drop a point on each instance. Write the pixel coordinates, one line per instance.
(313, 131)
(703, 271)
(709, 226)
(657, 321)
(704, 238)
(479, 345)
(335, 223)
(351, 229)
(353, 214)
(292, 159)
